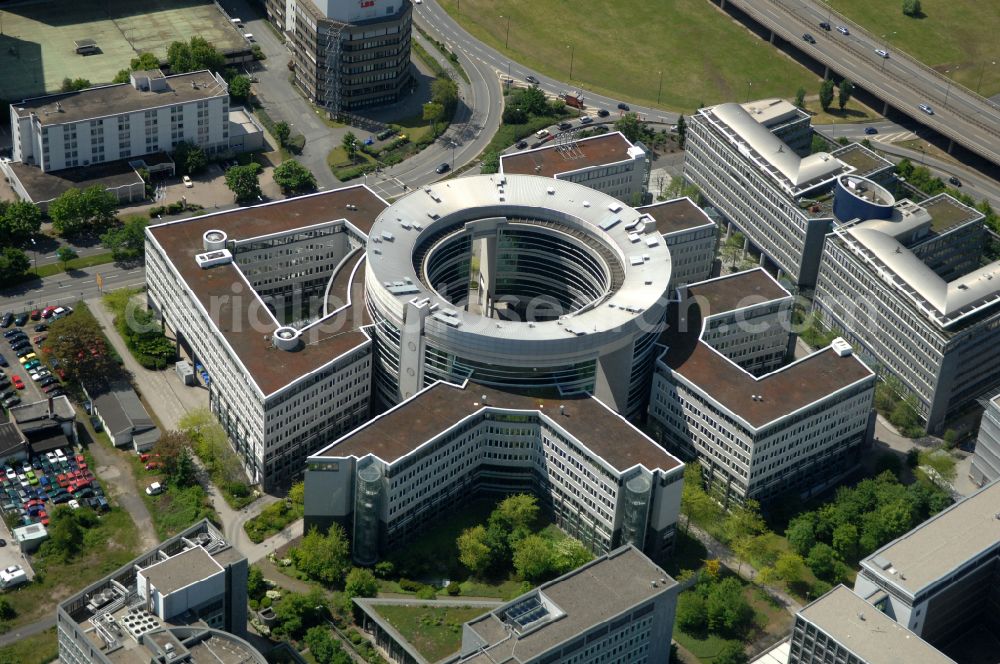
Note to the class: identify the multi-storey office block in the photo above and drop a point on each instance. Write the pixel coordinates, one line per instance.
(908, 292)
(152, 113)
(605, 482)
(691, 237)
(986, 461)
(269, 300)
(777, 198)
(609, 163)
(723, 394)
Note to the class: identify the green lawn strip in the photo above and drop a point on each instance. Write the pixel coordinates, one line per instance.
(619, 49)
(706, 648)
(959, 35)
(272, 520)
(415, 127)
(452, 58)
(427, 58)
(176, 508)
(75, 264)
(435, 631)
(38, 649)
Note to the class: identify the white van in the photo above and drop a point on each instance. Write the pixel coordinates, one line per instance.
(11, 577)
(249, 36)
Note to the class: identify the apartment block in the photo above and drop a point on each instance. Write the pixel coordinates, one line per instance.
(909, 290)
(185, 601)
(750, 161)
(608, 163)
(691, 237)
(986, 461)
(604, 481)
(268, 300)
(724, 393)
(348, 55)
(149, 114)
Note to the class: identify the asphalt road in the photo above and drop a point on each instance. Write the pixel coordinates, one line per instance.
(900, 80)
(69, 287)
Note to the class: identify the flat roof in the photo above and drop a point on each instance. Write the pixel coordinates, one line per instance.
(867, 632)
(42, 187)
(679, 214)
(621, 580)
(181, 570)
(244, 322)
(946, 212)
(552, 160)
(441, 406)
(943, 543)
(864, 161)
(784, 390)
(120, 98)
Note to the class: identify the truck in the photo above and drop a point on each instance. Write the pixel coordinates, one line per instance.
(574, 99)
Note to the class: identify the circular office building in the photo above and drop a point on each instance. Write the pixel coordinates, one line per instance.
(517, 282)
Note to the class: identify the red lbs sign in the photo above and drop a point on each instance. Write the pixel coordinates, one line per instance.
(366, 3)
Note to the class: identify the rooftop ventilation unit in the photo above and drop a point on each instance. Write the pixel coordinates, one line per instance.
(841, 347)
(213, 258)
(214, 240)
(286, 338)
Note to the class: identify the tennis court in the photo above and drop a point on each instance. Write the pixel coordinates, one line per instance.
(37, 48)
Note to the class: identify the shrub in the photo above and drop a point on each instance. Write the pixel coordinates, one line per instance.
(427, 592)
(454, 590)
(410, 586)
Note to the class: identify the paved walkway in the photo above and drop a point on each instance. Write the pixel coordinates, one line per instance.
(116, 473)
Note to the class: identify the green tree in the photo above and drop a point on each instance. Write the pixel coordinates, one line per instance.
(515, 515)
(912, 8)
(444, 91)
(145, 62)
(65, 534)
(533, 558)
(127, 242)
(174, 449)
(733, 248)
(296, 613)
(800, 97)
(239, 87)
(19, 221)
(744, 521)
(282, 131)
(360, 582)
(256, 586)
(629, 126)
(194, 55)
(77, 211)
(123, 76)
(790, 567)
(801, 533)
(324, 648)
(75, 84)
(490, 162)
(244, 182)
(819, 144)
(532, 101)
(728, 612)
(691, 614)
(433, 113)
(845, 541)
(179, 57)
(681, 131)
(7, 610)
(823, 561)
(71, 341)
(350, 144)
(826, 94)
(190, 158)
(324, 558)
(65, 254)
(844, 92)
(292, 177)
(731, 653)
(568, 554)
(473, 550)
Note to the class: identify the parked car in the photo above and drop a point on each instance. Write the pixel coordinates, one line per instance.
(21, 319)
(563, 126)
(154, 489)
(521, 145)
(153, 465)
(12, 401)
(586, 119)
(3, 361)
(187, 181)
(35, 314)
(47, 312)
(41, 327)
(12, 333)
(7, 319)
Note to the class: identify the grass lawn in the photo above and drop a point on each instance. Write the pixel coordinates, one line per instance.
(337, 159)
(38, 649)
(414, 127)
(957, 35)
(435, 631)
(855, 111)
(272, 520)
(706, 648)
(174, 509)
(107, 547)
(620, 49)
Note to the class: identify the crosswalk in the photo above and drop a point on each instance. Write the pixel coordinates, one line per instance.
(894, 137)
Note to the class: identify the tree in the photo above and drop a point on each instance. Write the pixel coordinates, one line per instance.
(826, 94)
(292, 176)
(819, 144)
(74, 84)
(800, 97)
(844, 92)
(630, 126)
(174, 450)
(244, 182)
(7, 610)
(912, 8)
(19, 221)
(444, 91)
(681, 131)
(123, 76)
(77, 341)
(127, 242)
(256, 586)
(514, 115)
(744, 521)
(282, 131)
(145, 62)
(691, 614)
(78, 211)
(733, 248)
(731, 653)
(532, 101)
(568, 554)
(193, 56)
(490, 162)
(515, 516)
(66, 532)
(533, 558)
(65, 254)
(433, 113)
(845, 541)
(324, 558)
(239, 87)
(823, 561)
(360, 582)
(350, 143)
(473, 551)
(790, 567)
(324, 648)
(296, 613)
(727, 610)
(801, 533)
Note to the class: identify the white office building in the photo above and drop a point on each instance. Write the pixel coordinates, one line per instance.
(268, 300)
(691, 237)
(609, 163)
(986, 461)
(605, 482)
(777, 195)
(151, 113)
(910, 292)
(724, 394)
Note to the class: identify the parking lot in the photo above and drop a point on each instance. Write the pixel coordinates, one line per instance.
(25, 339)
(30, 490)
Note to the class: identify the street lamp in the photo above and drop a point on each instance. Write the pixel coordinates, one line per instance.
(749, 85)
(885, 45)
(947, 92)
(572, 52)
(453, 146)
(506, 40)
(982, 70)
(659, 89)
(34, 254)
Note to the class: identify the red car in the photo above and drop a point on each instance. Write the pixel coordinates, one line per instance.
(37, 340)
(47, 312)
(81, 459)
(153, 465)
(18, 383)
(36, 314)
